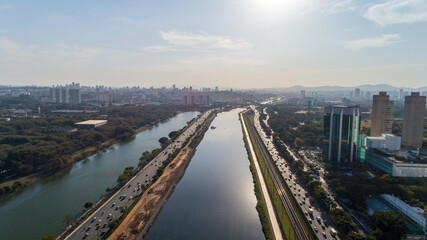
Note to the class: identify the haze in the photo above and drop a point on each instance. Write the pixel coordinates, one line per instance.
(230, 43)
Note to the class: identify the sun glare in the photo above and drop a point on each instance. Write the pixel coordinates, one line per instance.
(278, 8)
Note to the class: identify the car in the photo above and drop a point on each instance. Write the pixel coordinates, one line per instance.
(86, 235)
(109, 215)
(309, 220)
(315, 229)
(306, 213)
(324, 234)
(323, 227)
(318, 219)
(93, 219)
(114, 204)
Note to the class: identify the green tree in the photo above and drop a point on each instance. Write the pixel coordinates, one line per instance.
(163, 140)
(68, 219)
(88, 204)
(48, 237)
(390, 223)
(173, 134)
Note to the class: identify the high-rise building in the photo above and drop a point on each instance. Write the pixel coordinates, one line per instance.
(357, 92)
(382, 114)
(302, 93)
(58, 94)
(341, 133)
(52, 94)
(75, 95)
(413, 120)
(65, 94)
(400, 94)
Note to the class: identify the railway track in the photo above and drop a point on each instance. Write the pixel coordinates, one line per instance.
(300, 232)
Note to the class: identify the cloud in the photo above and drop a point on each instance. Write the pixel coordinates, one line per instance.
(158, 48)
(381, 41)
(5, 7)
(163, 48)
(7, 46)
(204, 41)
(336, 6)
(398, 11)
(52, 52)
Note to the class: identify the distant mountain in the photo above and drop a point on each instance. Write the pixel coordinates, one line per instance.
(365, 87)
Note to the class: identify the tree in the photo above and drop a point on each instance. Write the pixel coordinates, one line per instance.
(68, 219)
(173, 134)
(358, 236)
(48, 237)
(163, 140)
(390, 223)
(88, 204)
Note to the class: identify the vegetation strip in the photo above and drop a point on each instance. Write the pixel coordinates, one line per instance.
(261, 204)
(281, 213)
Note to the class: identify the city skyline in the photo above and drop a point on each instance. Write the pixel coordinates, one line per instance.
(242, 43)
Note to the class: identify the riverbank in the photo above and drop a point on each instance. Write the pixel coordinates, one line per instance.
(21, 183)
(144, 212)
(265, 208)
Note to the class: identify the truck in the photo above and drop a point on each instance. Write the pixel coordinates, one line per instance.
(333, 232)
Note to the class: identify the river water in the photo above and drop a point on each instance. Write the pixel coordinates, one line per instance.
(215, 198)
(40, 209)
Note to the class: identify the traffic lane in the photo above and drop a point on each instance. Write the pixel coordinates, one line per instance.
(322, 231)
(89, 229)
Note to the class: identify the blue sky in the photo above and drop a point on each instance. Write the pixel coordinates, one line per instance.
(230, 43)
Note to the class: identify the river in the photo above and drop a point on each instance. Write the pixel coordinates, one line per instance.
(39, 209)
(215, 198)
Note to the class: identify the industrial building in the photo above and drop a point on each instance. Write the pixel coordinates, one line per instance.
(91, 123)
(389, 164)
(386, 141)
(411, 214)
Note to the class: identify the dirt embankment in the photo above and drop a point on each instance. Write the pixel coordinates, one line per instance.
(156, 195)
(152, 198)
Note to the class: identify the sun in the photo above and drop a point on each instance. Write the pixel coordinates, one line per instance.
(273, 8)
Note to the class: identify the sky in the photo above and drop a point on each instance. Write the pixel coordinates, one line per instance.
(226, 43)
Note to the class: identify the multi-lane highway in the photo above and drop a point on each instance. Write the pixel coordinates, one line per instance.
(96, 225)
(297, 224)
(314, 215)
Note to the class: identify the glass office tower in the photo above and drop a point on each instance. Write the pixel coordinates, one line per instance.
(341, 133)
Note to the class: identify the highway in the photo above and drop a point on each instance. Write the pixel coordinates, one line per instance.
(314, 215)
(96, 225)
(300, 231)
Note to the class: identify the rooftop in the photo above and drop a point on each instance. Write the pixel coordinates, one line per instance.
(91, 122)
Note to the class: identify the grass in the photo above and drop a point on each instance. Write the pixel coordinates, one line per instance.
(294, 202)
(26, 180)
(282, 216)
(261, 204)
